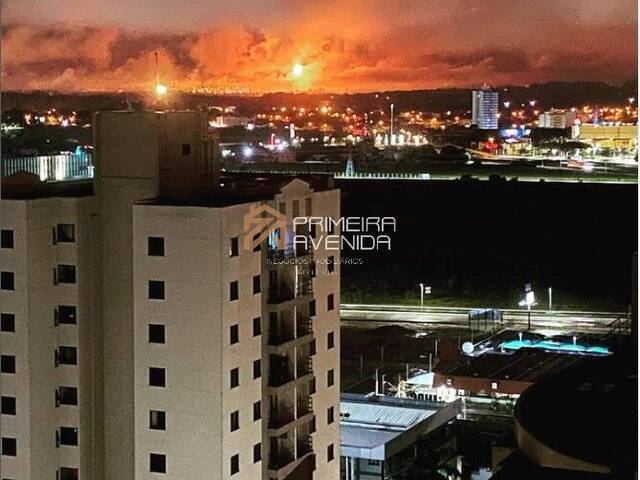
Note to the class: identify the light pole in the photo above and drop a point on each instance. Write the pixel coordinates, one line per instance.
(391, 125)
(421, 294)
(550, 290)
(528, 302)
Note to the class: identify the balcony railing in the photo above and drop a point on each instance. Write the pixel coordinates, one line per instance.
(304, 366)
(280, 458)
(304, 405)
(51, 168)
(304, 446)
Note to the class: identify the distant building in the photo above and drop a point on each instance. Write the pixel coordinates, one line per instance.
(607, 135)
(386, 437)
(557, 119)
(140, 336)
(226, 121)
(484, 108)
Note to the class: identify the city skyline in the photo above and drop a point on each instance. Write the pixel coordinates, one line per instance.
(311, 46)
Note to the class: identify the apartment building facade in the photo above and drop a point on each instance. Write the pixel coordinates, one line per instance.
(189, 355)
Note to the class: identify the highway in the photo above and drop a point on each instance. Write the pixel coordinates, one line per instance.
(457, 317)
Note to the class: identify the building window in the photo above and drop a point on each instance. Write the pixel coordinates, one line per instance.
(330, 340)
(235, 464)
(157, 420)
(256, 284)
(233, 248)
(7, 364)
(186, 149)
(234, 377)
(67, 396)
(155, 246)
(312, 268)
(66, 274)
(7, 322)
(312, 308)
(235, 421)
(257, 452)
(8, 406)
(331, 266)
(312, 386)
(234, 334)
(257, 370)
(157, 377)
(66, 314)
(330, 453)
(157, 463)
(65, 233)
(7, 281)
(330, 304)
(257, 410)
(233, 291)
(67, 473)
(6, 238)
(67, 355)
(156, 290)
(307, 206)
(296, 208)
(156, 333)
(257, 327)
(69, 436)
(494, 385)
(282, 208)
(330, 416)
(9, 447)
(312, 347)
(330, 379)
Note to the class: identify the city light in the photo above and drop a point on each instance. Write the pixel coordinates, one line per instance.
(298, 70)
(161, 90)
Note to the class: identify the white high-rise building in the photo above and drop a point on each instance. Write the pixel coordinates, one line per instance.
(557, 119)
(484, 108)
(141, 339)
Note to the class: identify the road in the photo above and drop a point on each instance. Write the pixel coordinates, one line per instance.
(457, 317)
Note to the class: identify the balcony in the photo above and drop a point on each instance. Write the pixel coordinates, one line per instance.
(304, 405)
(304, 446)
(281, 458)
(280, 417)
(280, 371)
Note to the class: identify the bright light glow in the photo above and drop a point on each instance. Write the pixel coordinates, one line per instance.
(298, 70)
(161, 89)
(247, 151)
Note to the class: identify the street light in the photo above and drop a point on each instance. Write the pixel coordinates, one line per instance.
(423, 291)
(528, 302)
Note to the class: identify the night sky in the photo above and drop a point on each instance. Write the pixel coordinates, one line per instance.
(349, 45)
